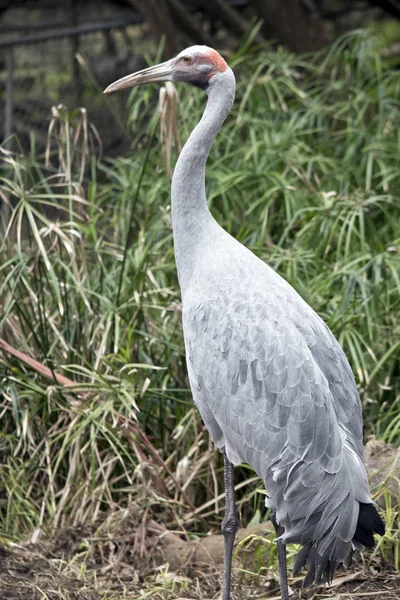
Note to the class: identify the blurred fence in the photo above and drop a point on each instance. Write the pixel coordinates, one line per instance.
(54, 64)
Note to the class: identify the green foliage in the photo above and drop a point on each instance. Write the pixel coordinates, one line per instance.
(305, 172)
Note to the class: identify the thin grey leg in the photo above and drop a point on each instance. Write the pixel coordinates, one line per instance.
(229, 527)
(282, 565)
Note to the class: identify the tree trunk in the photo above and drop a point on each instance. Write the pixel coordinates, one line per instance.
(156, 13)
(192, 30)
(287, 23)
(236, 23)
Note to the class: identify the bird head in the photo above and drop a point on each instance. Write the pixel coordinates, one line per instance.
(196, 65)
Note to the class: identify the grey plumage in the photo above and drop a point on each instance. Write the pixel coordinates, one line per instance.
(275, 389)
(271, 382)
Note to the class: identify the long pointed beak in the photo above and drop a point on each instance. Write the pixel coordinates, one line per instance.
(161, 72)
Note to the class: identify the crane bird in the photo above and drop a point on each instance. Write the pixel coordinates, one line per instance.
(272, 384)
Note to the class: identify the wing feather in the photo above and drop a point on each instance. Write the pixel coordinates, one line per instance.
(279, 394)
(275, 389)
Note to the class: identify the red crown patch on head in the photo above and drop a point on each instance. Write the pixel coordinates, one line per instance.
(217, 60)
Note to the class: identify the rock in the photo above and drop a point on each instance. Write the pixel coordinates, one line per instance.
(383, 466)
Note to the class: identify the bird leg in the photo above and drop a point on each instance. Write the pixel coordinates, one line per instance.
(229, 526)
(282, 565)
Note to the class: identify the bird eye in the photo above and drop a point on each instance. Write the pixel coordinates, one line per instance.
(186, 59)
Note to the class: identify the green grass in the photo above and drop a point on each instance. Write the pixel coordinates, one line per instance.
(305, 172)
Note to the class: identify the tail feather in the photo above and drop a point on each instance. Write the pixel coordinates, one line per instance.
(369, 522)
(322, 561)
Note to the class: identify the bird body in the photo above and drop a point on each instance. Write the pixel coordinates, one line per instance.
(272, 384)
(275, 391)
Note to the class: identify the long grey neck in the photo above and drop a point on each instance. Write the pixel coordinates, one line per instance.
(191, 218)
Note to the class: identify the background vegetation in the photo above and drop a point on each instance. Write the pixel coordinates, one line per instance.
(97, 420)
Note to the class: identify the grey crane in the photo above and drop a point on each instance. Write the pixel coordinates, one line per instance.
(272, 384)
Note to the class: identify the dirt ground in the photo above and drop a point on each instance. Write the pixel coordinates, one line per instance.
(75, 566)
